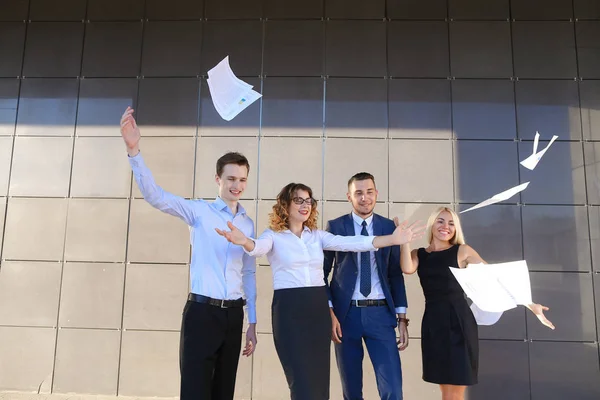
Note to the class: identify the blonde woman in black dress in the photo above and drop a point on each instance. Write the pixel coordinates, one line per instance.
(449, 338)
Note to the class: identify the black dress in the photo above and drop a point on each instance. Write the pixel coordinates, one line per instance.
(449, 339)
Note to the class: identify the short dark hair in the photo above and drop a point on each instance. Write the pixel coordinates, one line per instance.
(231, 158)
(361, 176)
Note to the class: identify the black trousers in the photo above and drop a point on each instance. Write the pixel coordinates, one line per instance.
(302, 335)
(209, 351)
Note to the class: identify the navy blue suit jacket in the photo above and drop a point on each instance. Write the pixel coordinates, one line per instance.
(345, 267)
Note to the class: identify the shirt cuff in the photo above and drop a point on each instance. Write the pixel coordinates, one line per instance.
(330, 304)
(253, 252)
(401, 310)
(136, 161)
(136, 156)
(373, 248)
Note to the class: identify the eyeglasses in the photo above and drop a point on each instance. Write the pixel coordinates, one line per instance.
(299, 200)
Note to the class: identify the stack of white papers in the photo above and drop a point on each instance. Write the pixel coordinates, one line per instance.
(230, 95)
(485, 317)
(494, 288)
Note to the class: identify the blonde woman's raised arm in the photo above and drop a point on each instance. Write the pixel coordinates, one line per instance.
(409, 261)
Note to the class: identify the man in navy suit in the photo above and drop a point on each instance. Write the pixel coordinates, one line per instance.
(367, 297)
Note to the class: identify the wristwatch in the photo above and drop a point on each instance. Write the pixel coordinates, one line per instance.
(400, 319)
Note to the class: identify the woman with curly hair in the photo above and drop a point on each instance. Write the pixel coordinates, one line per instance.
(300, 310)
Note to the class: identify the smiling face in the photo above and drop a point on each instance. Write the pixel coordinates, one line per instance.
(232, 182)
(443, 228)
(295, 207)
(363, 196)
(300, 212)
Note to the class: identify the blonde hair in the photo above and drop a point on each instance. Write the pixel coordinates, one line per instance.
(279, 218)
(458, 237)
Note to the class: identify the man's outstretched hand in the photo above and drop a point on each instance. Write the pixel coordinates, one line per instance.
(130, 132)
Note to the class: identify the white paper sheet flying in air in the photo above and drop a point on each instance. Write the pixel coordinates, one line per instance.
(531, 161)
(494, 288)
(230, 95)
(497, 198)
(485, 317)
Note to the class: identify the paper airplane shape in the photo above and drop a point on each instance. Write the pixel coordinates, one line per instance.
(531, 161)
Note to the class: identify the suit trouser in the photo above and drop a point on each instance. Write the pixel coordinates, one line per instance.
(376, 326)
(209, 351)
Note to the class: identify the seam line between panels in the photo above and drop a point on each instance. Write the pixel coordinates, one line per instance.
(585, 181)
(7, 197)
(131, 198)
(519, 203)
(388, 136)
(259, 138)
(454, 202)
(14, 135)
(324, 135)
(68, 203)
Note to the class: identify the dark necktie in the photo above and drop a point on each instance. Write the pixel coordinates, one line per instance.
(365, 266)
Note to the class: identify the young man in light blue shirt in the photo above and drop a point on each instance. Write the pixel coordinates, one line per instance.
(221, 274)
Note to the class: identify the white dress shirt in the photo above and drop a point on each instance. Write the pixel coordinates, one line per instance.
(298, 261)
(219, 269)
(376, 290)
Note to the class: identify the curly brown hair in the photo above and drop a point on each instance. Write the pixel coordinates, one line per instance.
(279, 218)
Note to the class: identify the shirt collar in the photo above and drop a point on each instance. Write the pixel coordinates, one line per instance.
(305, 229)
(358, 220)
(220, 205)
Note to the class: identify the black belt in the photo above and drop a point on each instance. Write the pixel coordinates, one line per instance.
(368, 303)
(198, 298)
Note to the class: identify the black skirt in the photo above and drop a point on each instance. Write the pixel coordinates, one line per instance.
(302, 335)
(449, 343)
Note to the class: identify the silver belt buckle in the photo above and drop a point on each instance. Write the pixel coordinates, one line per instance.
(358, 304)
(223, 304)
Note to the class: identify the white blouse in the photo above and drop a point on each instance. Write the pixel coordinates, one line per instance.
(298, 261)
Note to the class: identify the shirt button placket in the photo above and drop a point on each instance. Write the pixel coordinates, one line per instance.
(307, 265)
